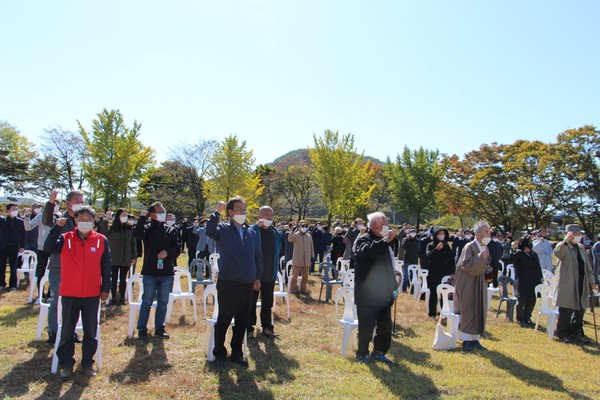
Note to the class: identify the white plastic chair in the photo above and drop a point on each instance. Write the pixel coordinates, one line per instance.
(447, 311)
(44, 306)
(446, 279)
(422, 287)
(549, 279)
(547, 309)
(281, 293)
(490, 292)
(413, 279)
(502, 267)
(213, 259)
(349, 319)
(135, 302)
(79, 329)
(179, 294)
(510, 271)
(348, 280)
(211, 291)
(28, 266)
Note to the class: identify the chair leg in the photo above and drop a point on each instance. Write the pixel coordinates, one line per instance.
(551, 326)
(499, 305)
(41, 322)
(54, 367)
(345, 340)
(131, 322)
(99, 348)
(321, 291)
(211, 344)
(169, 310)
(195, 313)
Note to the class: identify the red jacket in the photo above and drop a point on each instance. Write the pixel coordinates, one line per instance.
(85, 264)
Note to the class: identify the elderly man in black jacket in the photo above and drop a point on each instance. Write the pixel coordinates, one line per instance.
(374, 286)
(12, 242)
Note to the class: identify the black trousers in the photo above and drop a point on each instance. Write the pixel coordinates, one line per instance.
(234, 302)
(9, 254)
(432, 284)
(525, 306)
(369, 318)
(71, 307)
(121, 273)
(40, 270)
(570, 322)
(266, 305)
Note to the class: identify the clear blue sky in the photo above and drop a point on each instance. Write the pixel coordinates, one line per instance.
(441, 74)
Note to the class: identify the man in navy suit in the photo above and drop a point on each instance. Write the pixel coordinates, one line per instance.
(12, 242)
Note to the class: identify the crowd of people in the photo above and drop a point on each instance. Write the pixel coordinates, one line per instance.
(88, 260)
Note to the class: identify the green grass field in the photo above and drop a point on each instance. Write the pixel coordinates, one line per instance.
(304, 362)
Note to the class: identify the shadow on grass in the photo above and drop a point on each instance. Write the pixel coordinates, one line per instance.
(400, 380)
(13, 318)
(143, 363)
(528, 375)
(37, 369)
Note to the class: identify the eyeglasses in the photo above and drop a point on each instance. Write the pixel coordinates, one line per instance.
(240, 209)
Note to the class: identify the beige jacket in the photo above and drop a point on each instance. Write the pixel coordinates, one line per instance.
(303, 249)
(566, 291)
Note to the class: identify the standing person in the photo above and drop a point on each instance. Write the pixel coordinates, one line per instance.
(302, 257)
(470, 288)
(269, 241)
(402, 233)
(543, 248)
(467, 236)
(318, 245)
(374, 286)
(161, 249)
(423, 243)
(528, 274)
(123, 253)
(596, 256)
(574, 284)
(351, 236)
(410, 245)
(12, 242)
(441, 263)
(240, 270)
(33, 220)
(495, 250)
(337, 245)
(84, 281)
(32, 234)
(191, 240)
(327, 236)
(74, 202)
(289, 246)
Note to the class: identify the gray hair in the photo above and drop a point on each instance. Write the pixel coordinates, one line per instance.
(375, 217)
(264, 208)
(480, 225)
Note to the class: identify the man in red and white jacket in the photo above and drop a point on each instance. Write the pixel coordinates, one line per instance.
(84, 280)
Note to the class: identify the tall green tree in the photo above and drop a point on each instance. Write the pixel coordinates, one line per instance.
(168, 183)
(232, 172)
(414, 178)
(115, 159)
(16, 152)
(336, 166)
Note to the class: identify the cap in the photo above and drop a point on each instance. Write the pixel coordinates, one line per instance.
(573, 228)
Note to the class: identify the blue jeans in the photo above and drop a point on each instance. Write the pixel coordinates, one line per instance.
(405, 280)
(54, 279)
(160, 286)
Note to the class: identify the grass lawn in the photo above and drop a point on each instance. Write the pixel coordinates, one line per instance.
(304, 362)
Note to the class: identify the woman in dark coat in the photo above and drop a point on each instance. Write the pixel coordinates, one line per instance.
(528, 274)
(123, 252)
(441, 263)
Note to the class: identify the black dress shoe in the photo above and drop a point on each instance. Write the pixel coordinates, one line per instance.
(161, 334)
(239, 360)
(66, 373)
(143, 334)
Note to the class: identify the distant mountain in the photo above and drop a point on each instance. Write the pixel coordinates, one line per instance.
(301, 156)
(18, 200)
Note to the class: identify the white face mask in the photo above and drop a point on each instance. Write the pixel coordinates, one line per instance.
(131, 222)
(37, 210)
(123, 220)
(360, 226)
(161, 217)
(267, 222)
(76, 207)
(577, 239)
(406, 231)
(304, 229)
(170, 223)
(84, 227)
(239, 218)
(468, 237)
(441, 237)
(385, 230)
(496, 240)
(486, 240)
(14, 213)
(412, 234)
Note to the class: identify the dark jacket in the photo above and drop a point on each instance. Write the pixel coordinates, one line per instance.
(318, 241)
(157, 237)
(441, 262)
(374, 279)
(276, 250)
(411, 250)
(423, 243)
(528, 272)
(337, 245)
(49, 219)
(12, 232)
(122, 244)
(238, 261)
(495, 249)
(351, 236)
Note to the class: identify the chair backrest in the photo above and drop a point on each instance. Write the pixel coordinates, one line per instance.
(348, 279)
(280, 282)
(413, 270)
(211, 290)
(510, 271)
(543, 292)
(282, 263)
(501, 271)
(43, 283)
(213, 258)
(29, 259)
(504, 281)
(422, 274)
(446, 279)
(443, 292)
(347, 295)
(328, 271)
(181, 272)
(137, 280)
(288, 269)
